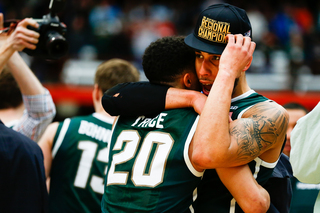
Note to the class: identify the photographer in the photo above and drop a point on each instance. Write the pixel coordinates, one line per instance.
(26, 105)
(22, 179)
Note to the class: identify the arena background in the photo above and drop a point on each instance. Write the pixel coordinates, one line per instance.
(286, 65)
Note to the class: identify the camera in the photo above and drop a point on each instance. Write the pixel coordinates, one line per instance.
(52, 42)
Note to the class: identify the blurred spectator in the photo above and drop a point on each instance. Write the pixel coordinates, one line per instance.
(303, 194)
(259, 23)
(79, 35)
(304, 158)
(296, 111)
(106, 21)
(148, 22)
(283, 25)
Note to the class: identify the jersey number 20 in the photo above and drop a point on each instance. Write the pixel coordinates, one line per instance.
(163, 143)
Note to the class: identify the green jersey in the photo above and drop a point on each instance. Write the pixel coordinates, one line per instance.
(213, 196)
(80, 157)
(150, 169)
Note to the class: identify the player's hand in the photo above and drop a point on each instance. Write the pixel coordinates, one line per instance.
(237, 55)
(198, 102)
(22, 37)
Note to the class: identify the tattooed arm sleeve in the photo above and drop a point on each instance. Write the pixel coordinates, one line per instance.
(263, 128)
(260, 133)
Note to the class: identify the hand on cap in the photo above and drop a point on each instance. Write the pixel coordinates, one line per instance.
(237, 55)
(22, 37)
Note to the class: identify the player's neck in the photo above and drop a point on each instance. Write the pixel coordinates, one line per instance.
(99, 109)
(241, 88)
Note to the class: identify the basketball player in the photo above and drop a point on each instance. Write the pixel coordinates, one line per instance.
(75, 150)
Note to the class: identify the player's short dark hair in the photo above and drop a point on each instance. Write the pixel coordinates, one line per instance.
(10, 94)
(295, 105)
(167, 58)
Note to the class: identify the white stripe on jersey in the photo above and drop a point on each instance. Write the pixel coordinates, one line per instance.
(186, 150)
(260, 162)
(63, 132)
(233, 206)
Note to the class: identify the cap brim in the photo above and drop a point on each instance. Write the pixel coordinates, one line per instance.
(200, 45)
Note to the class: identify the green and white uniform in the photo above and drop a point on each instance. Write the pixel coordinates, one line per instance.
(80, 157)
(213, 196)
(150, 170)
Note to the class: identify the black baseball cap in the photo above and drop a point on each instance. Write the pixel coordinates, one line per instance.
(214, 24)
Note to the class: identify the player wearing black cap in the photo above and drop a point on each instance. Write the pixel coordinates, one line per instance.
(261, 124)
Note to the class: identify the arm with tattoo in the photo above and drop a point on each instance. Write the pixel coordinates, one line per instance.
(263, 129)
(260, 134)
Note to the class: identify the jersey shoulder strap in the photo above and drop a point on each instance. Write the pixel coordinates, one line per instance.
(243, 102)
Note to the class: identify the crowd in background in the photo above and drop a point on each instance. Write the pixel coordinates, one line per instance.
(286, 32)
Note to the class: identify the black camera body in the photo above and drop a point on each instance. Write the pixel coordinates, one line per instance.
(52, 41)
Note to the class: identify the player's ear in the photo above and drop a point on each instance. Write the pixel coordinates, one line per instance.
(95, 92)
(248, 65)
(187, 80)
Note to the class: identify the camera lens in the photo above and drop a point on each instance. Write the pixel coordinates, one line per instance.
(57, 45)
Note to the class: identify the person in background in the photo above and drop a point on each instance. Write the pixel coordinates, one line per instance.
(22, 175)
(295, 111)
(76, 150)
(303, 194)
(26, 106)
(305, 147)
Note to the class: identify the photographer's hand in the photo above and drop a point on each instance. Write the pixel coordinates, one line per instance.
(3, 34)
(19, 39)
(22, 37)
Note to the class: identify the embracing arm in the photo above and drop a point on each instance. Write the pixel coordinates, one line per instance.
(131, 99)
(139, 98)
(182, 98)
(250, 196)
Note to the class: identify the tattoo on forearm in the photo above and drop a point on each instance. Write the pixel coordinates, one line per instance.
(258, 133)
